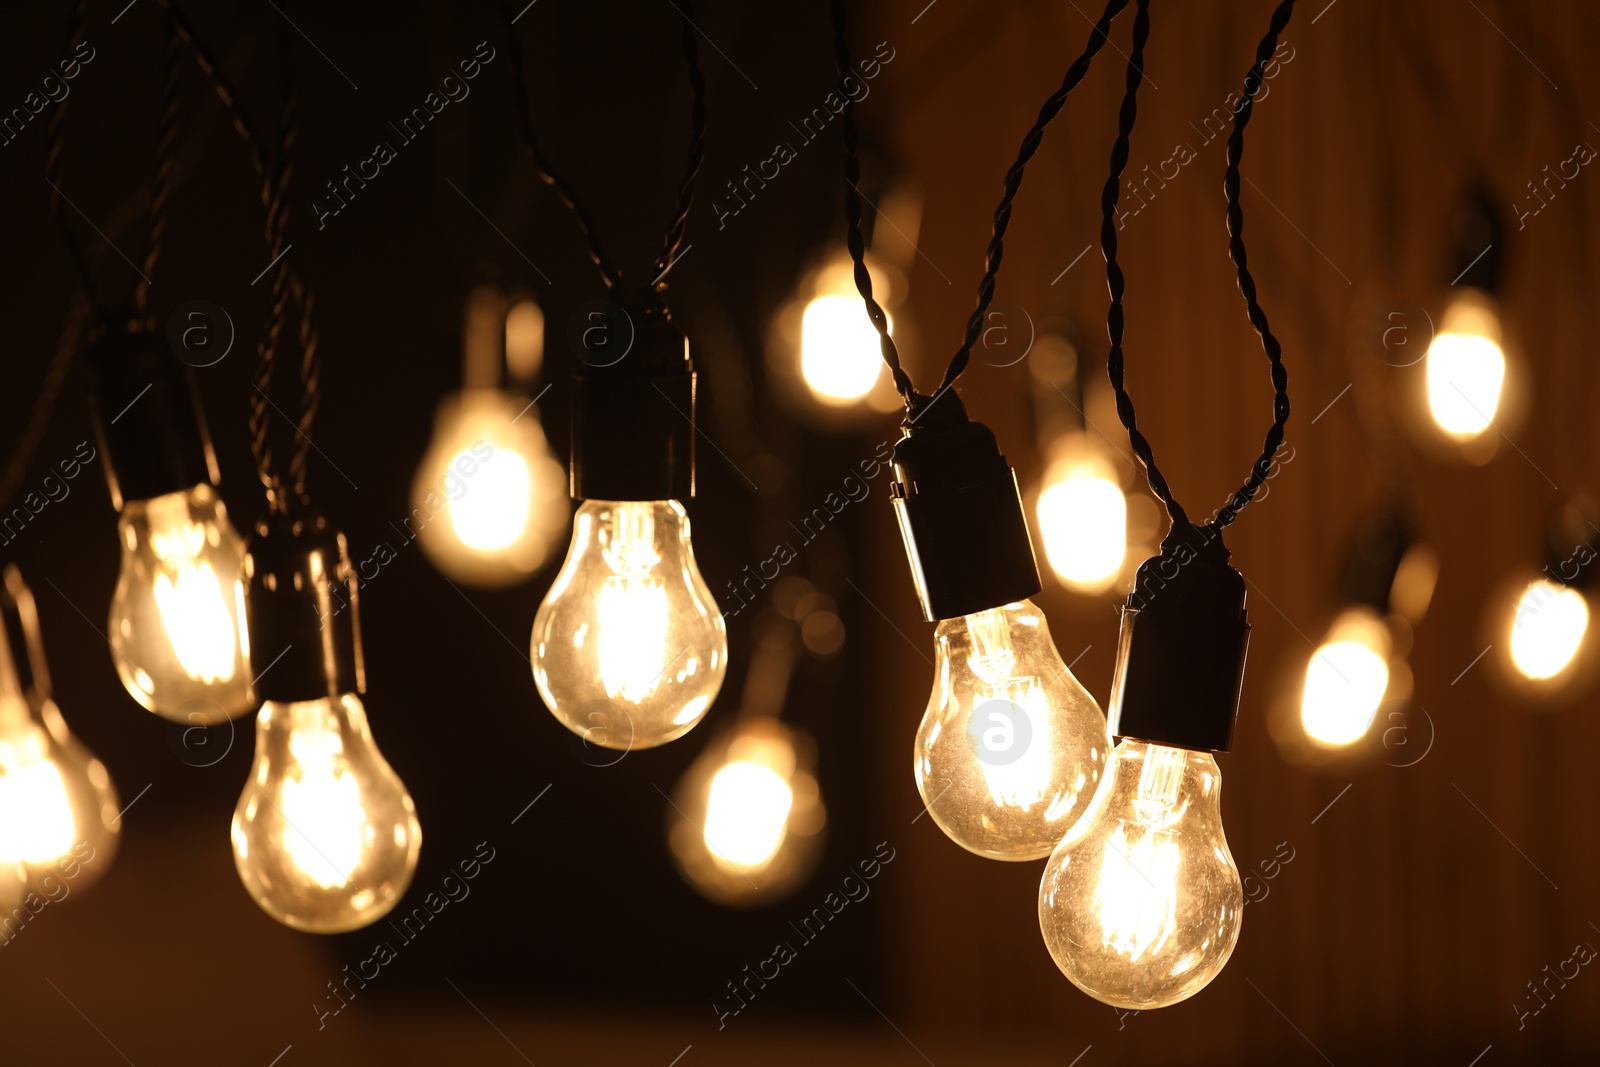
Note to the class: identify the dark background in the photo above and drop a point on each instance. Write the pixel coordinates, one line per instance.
(1408, 923)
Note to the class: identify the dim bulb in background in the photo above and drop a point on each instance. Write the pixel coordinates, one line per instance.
(58, 807)
(1466, 365)
(325, 836)
(1140, 904)
(489, 497)
(1011, 746)
(629, 648)
(1083, 518)
(1540, 622)
(840, 359)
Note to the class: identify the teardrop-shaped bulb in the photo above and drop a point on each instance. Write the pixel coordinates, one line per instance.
(59, 817)
(1141, 903)
(177, 618)
(629, 648)
(1011, 747)
(325, 836)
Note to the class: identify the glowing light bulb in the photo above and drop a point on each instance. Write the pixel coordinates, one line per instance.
(177, 617)
(58, 808)
(840, 357)
(1346, 680)
(489, 499)
(1011, 746)
(1548, 629)
(1466, 367)
(1141, 903)
(746, 821)
(1083, 521)
(325, 836)
(629, 649)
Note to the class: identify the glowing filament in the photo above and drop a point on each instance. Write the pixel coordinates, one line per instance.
(326, 827)
(632, 609)
(189, 595)
(36, 823)
(1013, 723)
(1136, 894)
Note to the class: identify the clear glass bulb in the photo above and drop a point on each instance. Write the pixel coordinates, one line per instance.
(746, 821)
(1141, 903)
(1466, 366)
(629, 648)
(1346, 679)
(1011, 747)
(177, 616)
(489, 501)
(1548, 629)
(325, 836)
(58, 807)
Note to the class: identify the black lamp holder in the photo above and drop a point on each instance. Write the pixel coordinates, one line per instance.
(633, 403)
(305, 624)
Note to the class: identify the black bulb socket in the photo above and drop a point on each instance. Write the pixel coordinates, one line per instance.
(1181, 654)
(305, 622)
(147, 415)
(633, 403)
(960, 514)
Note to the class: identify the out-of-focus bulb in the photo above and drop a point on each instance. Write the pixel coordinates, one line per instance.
(1548, 629)
(840, 355)
(746, 820)
(1466, 366)
(489, 500)
(325, 836)
(1141, 903)
(1346, 680)
(58, 807)
(177, 616)
(1011, 747)
(1083, 521)
(629, 649)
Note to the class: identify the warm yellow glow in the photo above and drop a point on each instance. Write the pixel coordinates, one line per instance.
(1548, 629)
(840, 356)
(1018, 770)
(325, 829)
(1466, 367)
(36, 823)
(194, 606)
(747, 814)
(631, 611)
(1345, 683)
(1083, 521)
(524, 339)
(1136, 894)
(492, 514)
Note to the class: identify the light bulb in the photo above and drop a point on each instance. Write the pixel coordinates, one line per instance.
(840, 356)
(1466, 366)
(325, 836)
(1141, 903)
(745, 822)
(58, 806)
(629, 649)
(1548, 629)
(1011, 747)
(177, 617)
(489, 500)
(1346, 680)
(1083, 521)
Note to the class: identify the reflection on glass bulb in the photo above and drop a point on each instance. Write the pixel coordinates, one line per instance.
(839, 348)
(1346, 680)
(1548, 629)
(1141, 903)
(746, 821)
(1011, 747)
(325, 836)
(1083, 521)
(502, 494)
(177, 617)
(1466, 367)
(629, 649)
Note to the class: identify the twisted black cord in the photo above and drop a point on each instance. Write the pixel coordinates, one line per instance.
(1114, 278)
(914, 401)
(52, 159)
(163, 174)
(697, 148)
(1002, 214)
(569, 197)
(1247, 285)
(297, 290)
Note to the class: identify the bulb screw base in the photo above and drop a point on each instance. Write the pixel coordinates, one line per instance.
(633, 404)
(1181, 654)
(147, 416)
(960, 515)
(305, 624)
